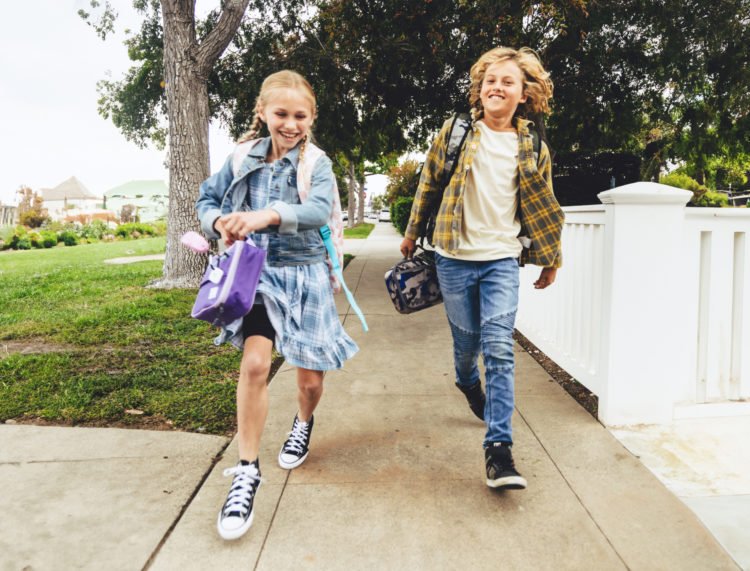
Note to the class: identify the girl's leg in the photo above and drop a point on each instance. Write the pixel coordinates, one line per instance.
(309, 391)
(252, 395)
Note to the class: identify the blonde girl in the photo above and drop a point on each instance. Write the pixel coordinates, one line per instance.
(256, 195)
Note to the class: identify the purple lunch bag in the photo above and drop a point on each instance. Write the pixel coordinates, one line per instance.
(228, 287)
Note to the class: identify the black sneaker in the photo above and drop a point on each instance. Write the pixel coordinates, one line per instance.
(295, 449)
(475, 395)
(501, 470)
(236, 516)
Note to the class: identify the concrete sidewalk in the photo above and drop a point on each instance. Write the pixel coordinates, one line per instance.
(394, 480)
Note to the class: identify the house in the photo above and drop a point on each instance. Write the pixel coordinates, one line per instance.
(69, 197)
(8, 215)
(150, 199)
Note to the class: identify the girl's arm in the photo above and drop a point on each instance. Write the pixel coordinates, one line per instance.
(316, 210)
(212, 192)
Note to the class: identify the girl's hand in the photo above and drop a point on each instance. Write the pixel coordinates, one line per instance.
(407, 247)
(546, 278)
(236, 225)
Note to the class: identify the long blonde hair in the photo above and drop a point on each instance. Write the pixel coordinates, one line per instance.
(537, 85)
(284, 79)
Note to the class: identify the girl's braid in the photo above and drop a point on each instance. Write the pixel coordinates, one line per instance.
(255, 128)
(303, 146)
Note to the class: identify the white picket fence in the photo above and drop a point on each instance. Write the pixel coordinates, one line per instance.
(651, 309)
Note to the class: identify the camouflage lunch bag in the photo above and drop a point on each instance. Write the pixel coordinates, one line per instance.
(413, 283)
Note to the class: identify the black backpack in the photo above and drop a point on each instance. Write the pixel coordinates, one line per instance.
(458, 133)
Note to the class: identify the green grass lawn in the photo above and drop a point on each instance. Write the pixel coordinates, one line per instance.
(360, 231)
(124, 346)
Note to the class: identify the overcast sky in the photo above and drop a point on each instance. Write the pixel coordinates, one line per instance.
(50, 61)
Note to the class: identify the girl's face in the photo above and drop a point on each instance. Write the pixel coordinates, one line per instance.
(288, 115)
(502, 89)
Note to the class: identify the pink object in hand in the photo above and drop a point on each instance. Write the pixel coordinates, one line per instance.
(195, 241)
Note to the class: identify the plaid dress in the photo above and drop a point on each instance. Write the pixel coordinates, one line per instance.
(298, 299)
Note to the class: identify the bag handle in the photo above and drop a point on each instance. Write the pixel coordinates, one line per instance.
(325, 231)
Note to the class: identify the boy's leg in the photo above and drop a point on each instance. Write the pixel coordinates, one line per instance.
(309, 390)
(499, 300)
(459, 286)
(498, 293)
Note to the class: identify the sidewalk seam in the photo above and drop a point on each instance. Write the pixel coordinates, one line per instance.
(270, 523)
(570, 487)
(214, 461)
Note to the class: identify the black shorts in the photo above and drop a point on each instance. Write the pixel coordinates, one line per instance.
(257, 323)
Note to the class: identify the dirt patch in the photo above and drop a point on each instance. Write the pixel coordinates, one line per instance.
(31, 347)
(581, 394)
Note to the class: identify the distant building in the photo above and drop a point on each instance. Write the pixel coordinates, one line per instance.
(68, 198)
(8, 214)
(149, 197)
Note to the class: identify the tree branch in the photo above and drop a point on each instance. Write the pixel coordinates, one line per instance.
(218, 39)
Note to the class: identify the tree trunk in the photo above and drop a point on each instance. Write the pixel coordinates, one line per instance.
(186, 68)
(352, 196)
(361, 201)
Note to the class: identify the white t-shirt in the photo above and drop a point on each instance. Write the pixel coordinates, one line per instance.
(489, 226)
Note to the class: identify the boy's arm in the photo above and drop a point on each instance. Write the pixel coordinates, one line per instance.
(545, 169)
(429, 183)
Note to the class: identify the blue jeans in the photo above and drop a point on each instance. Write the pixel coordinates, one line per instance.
(481, 299)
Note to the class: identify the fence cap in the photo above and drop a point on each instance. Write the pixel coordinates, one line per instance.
(646, 193)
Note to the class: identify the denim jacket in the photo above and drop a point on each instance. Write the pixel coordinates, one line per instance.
(296, 240)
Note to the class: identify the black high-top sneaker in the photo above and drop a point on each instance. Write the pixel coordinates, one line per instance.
(475, 395)
(501, 470)
(236, 517)
(295, 449)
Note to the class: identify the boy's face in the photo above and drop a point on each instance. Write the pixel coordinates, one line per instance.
(502, 89)
(288, 115)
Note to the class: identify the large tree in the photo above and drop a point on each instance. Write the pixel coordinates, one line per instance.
(172, 55)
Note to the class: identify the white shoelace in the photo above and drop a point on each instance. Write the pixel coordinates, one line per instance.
(244, 485)
(297, 438)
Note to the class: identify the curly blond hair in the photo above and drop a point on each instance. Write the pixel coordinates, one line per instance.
(537, 85)
(284, 79)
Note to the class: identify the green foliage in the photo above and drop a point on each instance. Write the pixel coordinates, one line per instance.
(69, 238)
(701, 195)
(403, 180)
(400, 212)
(33, 219)
(119, 345)
(95, 230)
(359, 231)
(49, 238)
(135, 230)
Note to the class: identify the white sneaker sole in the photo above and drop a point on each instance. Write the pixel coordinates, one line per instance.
(508, 483)
(291, 465)
(234, 533)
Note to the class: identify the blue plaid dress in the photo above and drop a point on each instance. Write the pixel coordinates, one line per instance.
(298, 299)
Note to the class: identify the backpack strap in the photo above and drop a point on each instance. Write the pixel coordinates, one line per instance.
(325, 231)
(457, 136)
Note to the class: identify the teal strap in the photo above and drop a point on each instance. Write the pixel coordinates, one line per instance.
(325, 231)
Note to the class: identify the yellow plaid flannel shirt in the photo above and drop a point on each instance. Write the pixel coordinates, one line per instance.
(539, 212)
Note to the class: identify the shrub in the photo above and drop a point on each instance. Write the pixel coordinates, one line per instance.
(69, 238)
(400, 211)
(23, 243)
(49, 238)
(134, 230)
(6, 235)
(403, 180)
(701, 195)
(94, 230)
(36, 239)
(160, 226)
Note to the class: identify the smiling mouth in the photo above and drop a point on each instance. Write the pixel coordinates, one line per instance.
(287, 136)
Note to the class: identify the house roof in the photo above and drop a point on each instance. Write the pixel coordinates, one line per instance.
(71, 189)
(134, 188)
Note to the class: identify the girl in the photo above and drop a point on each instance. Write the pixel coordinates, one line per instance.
(497, 211)
(256, 193)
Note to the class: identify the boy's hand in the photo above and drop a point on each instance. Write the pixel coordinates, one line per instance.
(407, 247)
(547, 277)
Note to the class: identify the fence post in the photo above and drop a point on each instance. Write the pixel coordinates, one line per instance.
(644, 323)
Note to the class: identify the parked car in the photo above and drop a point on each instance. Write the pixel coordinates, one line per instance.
(385, 215)
(344, 215)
